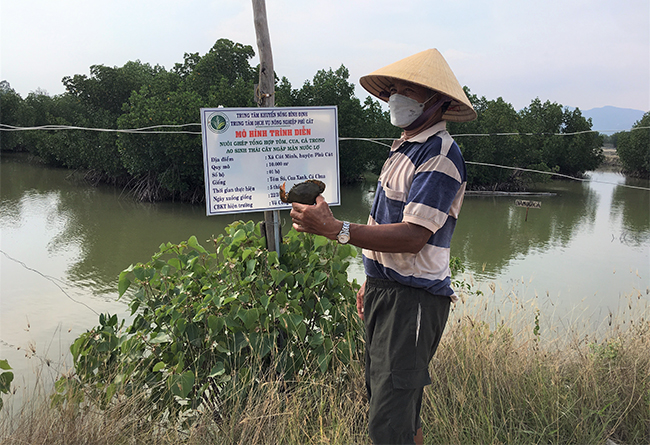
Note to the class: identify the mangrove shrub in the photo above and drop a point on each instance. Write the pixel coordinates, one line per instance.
(206, 325)
(633, 148)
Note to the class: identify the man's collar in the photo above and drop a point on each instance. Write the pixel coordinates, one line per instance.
(421, 137)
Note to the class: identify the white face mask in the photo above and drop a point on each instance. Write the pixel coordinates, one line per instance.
(403, 110)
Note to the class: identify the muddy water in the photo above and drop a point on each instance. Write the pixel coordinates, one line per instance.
(64, 243)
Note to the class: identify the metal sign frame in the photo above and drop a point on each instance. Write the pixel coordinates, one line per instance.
(249, 152)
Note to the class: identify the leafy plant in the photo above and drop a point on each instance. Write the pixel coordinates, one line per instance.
(458, 282)
(208, 325)
(6, 377)
(633, 148)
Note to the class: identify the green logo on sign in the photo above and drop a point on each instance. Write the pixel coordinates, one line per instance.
(218, 122)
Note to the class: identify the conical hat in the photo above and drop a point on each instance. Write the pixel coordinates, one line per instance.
(428, 69)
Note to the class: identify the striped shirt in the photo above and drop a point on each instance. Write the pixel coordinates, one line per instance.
(422, 182)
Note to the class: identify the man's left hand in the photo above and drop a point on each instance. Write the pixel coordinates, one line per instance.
(317, 219)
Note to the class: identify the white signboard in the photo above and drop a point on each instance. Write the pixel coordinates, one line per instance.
(248, 153)
(531, 204)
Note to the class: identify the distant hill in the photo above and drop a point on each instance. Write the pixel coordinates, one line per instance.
(609, 120)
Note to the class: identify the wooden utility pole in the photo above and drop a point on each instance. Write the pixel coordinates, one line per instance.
(266, 98)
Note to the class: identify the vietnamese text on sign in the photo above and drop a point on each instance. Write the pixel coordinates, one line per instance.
(250, 152)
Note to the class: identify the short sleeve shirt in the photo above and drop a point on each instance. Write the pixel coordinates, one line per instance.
(422, 182)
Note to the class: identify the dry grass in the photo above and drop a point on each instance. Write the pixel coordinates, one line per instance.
(499, 377)
(512, 381)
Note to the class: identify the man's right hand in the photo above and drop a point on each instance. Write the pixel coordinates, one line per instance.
(360, 293)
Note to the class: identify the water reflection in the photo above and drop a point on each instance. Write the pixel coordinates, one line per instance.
(586, 248)
(97, 232)
(491, 231)
(589, 243)
(627, 205)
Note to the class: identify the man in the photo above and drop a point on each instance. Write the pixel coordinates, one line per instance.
(406, 298)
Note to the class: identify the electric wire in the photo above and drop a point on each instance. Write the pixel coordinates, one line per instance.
(155, 129)
(152, 129)
(160, 129)
(143, 130)
(49, 278)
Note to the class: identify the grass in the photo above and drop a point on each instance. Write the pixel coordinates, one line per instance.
(500, 376)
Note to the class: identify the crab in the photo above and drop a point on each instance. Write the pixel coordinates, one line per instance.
(303, 192)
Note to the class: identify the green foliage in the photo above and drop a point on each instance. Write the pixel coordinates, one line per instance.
(493, 117)
(330, 87)
(108, 88)
(535, 141)
(461, 285)
(173, 162)
(633, 148)
(206, 324)
(169, 166)
(220, 70)
(12, 112)
(6, 377)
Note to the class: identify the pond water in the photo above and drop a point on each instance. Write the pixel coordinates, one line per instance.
(63, 244)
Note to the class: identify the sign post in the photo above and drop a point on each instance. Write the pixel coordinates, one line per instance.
(528, 205)
(265, 98)
(248, 153)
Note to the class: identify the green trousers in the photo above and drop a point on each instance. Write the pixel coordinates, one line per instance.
(403, 329)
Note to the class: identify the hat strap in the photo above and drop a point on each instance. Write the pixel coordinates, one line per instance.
(428, 113)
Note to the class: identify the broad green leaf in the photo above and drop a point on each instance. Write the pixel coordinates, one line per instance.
(250, 317)
(230, 299)
(217, 370)
(239, 236)
(4, 364)
(323, 361)
(250, 266)
(320, 241)
(319, 277)
(264, 299)
(194, 244)
(343, 352)
(5, 381)
(278, 276)
(123, 283)
(181, 385)
(161, 337)
(302, 331)
(159, 366)
(272, 258)
(221, 348)
(200, 314)
(240, 341)
(138, 271)
(316, 339)
(110, 392)
(215, 323)
(181, 323)
(193, 333)
(175, 263)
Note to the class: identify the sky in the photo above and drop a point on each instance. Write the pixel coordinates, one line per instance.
(578, 53)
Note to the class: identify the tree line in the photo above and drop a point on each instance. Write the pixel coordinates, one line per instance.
(170, 166)
(633, 147)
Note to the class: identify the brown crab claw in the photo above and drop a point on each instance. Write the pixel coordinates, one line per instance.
(283, 193)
